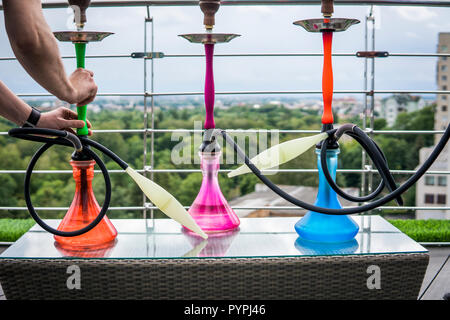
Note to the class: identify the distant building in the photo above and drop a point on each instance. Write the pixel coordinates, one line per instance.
(264, 197)
(347, 107)
(442, 112)
(395, 104)
(434, 190)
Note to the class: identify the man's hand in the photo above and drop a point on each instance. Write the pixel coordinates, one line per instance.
(62, 119)
(84, 87)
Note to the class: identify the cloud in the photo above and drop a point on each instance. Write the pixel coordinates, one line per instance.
(260, 11)
(413, 35)
(263, 29)
(438, 26)
(174, 16)
(416, 14)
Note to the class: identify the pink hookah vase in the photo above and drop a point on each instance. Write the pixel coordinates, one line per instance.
(210, 209)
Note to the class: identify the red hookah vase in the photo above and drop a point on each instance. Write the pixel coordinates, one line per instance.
(102, 251)
(83, 210)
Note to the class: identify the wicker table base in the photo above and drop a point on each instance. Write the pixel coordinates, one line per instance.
(325, 277)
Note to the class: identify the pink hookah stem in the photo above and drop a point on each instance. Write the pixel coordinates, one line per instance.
(209, 87)
(327, 78)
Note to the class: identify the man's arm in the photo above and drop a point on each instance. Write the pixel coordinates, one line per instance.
(36, 49)
(11, 107)
(17, 111)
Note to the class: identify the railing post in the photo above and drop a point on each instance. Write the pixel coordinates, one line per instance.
(152, 98)
(368, 112)
(144, 198)
(372, 96)
(149, 19)
(364, 120)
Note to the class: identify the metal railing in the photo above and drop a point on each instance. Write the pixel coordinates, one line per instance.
(149, 95)
(140, 3)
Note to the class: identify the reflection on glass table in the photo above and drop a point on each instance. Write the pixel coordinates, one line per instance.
(256, 237)
(217, 244)
(312, 248)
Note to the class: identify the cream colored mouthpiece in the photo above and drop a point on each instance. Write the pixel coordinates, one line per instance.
(194, 252)
(165, 202)
(281, 153)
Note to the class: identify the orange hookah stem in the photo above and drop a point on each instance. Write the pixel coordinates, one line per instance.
(327, 78)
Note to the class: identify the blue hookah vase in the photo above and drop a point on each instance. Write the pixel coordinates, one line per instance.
(320, 227)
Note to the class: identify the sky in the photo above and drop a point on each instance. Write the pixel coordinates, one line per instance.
(263, 29)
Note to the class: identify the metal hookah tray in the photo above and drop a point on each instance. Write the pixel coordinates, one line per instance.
(81, 36)
(326, 24)
(209, 38)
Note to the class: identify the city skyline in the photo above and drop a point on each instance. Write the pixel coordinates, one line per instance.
(268, 29)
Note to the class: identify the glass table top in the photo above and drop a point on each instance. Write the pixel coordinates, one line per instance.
(256, 237)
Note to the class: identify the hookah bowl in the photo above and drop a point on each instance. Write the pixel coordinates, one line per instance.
(209, 37)
(209, 9)
(81, 36)
(210, 209)
(83, 210)
(326, 24)
(320, 227)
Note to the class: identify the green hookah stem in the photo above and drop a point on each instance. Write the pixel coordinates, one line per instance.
(80, 50)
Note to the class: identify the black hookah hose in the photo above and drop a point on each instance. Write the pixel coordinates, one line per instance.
(374, 152)
(81, 144)
(377, 157)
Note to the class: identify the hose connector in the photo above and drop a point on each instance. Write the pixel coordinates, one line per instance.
(343, 129)
(331, 142)
(75, 141)
(209, 143)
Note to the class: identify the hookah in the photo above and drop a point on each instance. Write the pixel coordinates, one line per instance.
(85, 225)
(316, 226)
(327, 221)
(210, 209)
